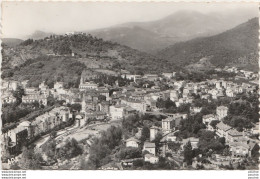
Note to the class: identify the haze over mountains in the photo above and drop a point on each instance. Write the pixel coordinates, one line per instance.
(159, 34)
(166, 40)
(180, 26)
(235, 47)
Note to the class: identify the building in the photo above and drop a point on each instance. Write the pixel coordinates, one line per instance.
(174, 95)
(138, 105)
(87, 85)
(167, 124)
(222, 129)
(233, 135)
(168, 75)
(8, 99)
(243, 149)
(206, 119)
(153, 132)
(31, 98)
(117, 112)
(221, 112)
(151, 158)
(149, 147)
(150, 77)
(132, 142)
(31, 91)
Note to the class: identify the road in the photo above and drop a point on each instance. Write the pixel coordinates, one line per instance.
(45, 138)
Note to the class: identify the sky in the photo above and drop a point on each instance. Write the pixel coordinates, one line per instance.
(20, 19)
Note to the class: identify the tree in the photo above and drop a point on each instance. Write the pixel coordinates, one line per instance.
(18, 94)
(222, 140)
(214, 123)
(53, 134)
(129, 152)
(145, 133)
(30, 160)
(157, 140)
(75, 107)
(188, 153)
(50, 101)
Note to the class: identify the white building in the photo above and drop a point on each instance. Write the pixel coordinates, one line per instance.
(132, 142)
(151, 158)
(149, 147)
(221, 111)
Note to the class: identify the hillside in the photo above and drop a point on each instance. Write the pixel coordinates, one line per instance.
(135, 37)
(236, 47)
(11, 41)
(177, 27)
(52, 58)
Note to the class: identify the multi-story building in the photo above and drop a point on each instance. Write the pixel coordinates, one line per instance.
(138, 105)
(221, 112)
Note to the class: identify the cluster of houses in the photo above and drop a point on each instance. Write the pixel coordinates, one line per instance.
(242, 73)
(13, 139)
(115, 103)
(240, 145)
(239, 142)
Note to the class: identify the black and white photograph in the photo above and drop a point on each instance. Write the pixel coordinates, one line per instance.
(129, 86)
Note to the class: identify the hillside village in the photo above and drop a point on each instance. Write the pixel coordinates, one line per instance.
(126, 121)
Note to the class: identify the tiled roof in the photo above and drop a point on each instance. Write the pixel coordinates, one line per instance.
(149, 145)
(234, 132)
(133, 139)
(223, 126)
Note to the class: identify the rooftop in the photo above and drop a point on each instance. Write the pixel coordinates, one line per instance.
(149, 145)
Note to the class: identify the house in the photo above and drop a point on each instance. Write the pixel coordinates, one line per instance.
(174, 95)
(8, 99)
(117, 112)
(132, 142)
(138, 105)
(206, 119)
(31, 90)
(230, 92)
(168, 75)
(150, 77)
(167, 124)
(87, 86)
(222, 129)
(221, 111)
(129, 111)
(233, 135)
(110, 166)
(195, 109)
(150, 147)
(151, 158)
(243, 149)
(30, 98)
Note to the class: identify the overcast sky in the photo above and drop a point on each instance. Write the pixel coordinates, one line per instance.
(20, 19)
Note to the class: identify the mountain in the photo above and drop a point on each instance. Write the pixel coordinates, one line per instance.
(11, 41)
(180, 26)
(39, 35)
(135, 37)
(236, 47)
(65, 57)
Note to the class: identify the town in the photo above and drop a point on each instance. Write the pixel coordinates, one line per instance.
(124, 121)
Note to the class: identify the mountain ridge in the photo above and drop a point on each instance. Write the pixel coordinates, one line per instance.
(226, 48)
